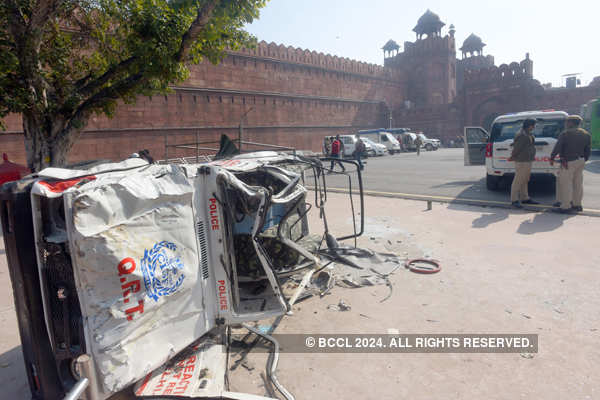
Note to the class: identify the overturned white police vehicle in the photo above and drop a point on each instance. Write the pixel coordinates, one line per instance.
(119, 267)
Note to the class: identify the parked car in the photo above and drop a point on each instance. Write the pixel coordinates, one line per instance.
(428, 143)
(382, 137)
(493, 149)
(374, 149)
(349, 145)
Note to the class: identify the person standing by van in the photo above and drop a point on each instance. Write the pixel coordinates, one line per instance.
(574, 147)
(337, 149)
(418, 143)
(523, 154)
(359, 151)
(327, 146)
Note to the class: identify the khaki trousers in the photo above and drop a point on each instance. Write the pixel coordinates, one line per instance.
(518, 190)
(570, 184)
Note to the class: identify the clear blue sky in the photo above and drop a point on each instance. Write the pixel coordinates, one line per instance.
(561, 36)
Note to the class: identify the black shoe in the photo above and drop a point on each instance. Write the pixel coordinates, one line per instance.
(557, 204)
(577, 208)
(516, 204)
(530, 201)
(561, 210)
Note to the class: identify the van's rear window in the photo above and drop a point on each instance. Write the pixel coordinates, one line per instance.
(550, 128)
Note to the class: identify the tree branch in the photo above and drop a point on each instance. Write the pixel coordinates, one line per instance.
(110, 93)
(104, 78)
(202, 19)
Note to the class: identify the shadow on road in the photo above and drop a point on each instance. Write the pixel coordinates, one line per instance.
(12, 375)
(490, 218)
(543, 222)
(455, 183)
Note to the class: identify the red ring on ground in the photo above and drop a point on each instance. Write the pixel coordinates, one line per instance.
(423, 270)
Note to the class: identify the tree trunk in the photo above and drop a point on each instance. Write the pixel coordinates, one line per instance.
(47, 142)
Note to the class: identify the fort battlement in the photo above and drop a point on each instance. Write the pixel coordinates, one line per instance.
(504, 73)
(300, 56)
(428, 45)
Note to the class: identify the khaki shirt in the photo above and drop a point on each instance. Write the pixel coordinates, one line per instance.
(573, 144)
(523, 147)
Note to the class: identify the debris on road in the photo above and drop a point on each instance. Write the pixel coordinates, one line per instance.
(423, 266)
(143, 267)
(341, 306)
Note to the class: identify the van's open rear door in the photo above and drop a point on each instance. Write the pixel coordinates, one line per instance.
(475, 141)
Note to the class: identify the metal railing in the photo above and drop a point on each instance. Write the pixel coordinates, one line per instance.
(206, 150)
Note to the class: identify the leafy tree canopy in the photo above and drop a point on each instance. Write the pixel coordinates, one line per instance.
(62, 60)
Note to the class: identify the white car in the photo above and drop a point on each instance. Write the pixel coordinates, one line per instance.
(428, 143)
(493, 149)
(382, 137)
(374, 149)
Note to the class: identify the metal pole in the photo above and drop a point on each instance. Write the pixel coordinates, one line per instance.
(77, 390)
(240, 134)
(197, 148)
(166, 147)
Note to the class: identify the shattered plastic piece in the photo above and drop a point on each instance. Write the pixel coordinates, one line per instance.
(341, 306)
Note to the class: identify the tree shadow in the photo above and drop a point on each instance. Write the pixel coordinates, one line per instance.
(487, 219)
(13, 378)
(543, 222)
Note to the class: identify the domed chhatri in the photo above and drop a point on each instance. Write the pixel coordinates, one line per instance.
(429, 24)
(473, 45)
(390, 48)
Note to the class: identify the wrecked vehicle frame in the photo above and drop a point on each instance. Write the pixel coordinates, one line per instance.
(135, 262)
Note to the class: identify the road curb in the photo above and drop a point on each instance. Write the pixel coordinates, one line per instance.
(457, 200)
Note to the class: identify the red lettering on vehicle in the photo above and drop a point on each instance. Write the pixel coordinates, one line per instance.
(222, 289)
(126, 267)
(214, 214)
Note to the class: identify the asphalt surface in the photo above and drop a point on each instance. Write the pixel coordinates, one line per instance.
(442, 173)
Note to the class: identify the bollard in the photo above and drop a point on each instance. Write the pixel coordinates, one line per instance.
(429, 205)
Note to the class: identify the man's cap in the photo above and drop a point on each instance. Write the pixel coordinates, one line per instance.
(576, 118)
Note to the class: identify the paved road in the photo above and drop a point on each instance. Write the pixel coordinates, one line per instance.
(442, 173)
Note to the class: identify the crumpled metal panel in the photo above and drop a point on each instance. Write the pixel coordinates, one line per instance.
(136, 262)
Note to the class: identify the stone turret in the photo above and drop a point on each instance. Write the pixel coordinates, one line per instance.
(429, 24)
(473, 45)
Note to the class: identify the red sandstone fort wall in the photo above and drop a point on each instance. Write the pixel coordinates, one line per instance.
(291, 97)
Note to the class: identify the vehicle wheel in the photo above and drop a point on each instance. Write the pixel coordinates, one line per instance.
(429, 147)
(492, 182)
(435, 148)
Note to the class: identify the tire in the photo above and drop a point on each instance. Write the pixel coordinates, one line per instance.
(429, 147)
(492, 182)
(435, 148)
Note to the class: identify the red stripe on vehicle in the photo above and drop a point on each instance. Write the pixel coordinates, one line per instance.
(61, 186)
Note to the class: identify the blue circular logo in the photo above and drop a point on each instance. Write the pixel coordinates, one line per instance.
(162, 270)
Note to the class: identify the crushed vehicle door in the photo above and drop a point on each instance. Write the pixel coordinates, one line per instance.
(134, 261)
(257, 215)
(475, 139)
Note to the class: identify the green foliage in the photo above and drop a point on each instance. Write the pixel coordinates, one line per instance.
(63, 60)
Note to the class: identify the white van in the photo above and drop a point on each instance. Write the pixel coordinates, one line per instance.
(493, 149)
(408, 140)
(382, 137)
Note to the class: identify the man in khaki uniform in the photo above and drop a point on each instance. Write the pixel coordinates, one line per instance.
(574, 147)
(418, 143)
(523, 154)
